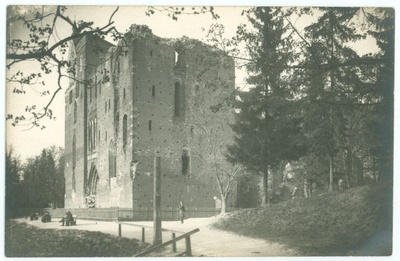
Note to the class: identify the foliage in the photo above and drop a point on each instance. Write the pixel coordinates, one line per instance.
(34, 45)
(43, 179)
(175, 11)
(266, 125)
(210, 117)
(12, 182)
(314, 96)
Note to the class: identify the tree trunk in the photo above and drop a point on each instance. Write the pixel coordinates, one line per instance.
(157, 230)
(265, 187)
(224, 200)
(349, 167)
(331, 173)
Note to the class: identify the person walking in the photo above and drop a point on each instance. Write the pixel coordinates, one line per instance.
(182, 211)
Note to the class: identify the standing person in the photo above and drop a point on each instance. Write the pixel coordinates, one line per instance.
(218, 205)
(182, 211)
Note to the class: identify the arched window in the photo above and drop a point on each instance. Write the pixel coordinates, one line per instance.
(116, 122)
(93, 180)
(176, 57)
(186, 168)
(73, 151)
(90, 136)
(75, 111)
(125, 131)
(177, 100)
(112, 168)
(77, 89)
(95, 90)
(73, 163)
(94, 132)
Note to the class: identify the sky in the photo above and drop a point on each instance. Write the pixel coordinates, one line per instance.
(28, 142)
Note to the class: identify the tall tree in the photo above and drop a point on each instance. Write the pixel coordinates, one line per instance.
(335, 90)
(325, 87)
(266, 124)
(381, 23)
(211, 114)
(12, 182)
(43, 179)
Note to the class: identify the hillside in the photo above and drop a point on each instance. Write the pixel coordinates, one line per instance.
(354, 222)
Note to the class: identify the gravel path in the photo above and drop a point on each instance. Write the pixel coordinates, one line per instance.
(208, 242)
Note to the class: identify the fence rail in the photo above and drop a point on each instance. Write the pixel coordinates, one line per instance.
(129, 214)
(188, 250)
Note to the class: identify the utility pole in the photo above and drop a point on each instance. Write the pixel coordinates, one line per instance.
(132, 169)
(157, 236)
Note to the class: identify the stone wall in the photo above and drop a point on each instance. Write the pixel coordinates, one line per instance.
(143, 98)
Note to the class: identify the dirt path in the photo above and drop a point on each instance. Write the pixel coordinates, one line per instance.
(207, 242)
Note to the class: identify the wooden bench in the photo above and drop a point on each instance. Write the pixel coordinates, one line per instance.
(74, 219)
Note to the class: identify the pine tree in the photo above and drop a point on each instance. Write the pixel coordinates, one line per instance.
(266, 124)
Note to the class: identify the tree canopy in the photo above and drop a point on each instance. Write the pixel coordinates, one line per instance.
(314, 97)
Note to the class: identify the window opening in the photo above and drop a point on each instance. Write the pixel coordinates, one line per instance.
(112, 168)
(186, 161)
(177, 103)
(176, 57)
(75, 112)
(125, 131)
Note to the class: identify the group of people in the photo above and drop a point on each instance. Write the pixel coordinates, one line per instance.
(45, 218)
(67, 219)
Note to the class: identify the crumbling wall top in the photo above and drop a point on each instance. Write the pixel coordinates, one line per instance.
(140, 31)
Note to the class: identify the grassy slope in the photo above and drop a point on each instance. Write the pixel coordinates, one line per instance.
(23, 240)
(354, 222)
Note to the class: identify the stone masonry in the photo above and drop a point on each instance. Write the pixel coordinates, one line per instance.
(141, 98)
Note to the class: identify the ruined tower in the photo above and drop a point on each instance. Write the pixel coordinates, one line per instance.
(137, 99)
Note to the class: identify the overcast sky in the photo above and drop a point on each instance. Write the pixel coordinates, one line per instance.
(30, 142)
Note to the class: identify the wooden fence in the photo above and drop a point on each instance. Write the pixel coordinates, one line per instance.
(129, 214)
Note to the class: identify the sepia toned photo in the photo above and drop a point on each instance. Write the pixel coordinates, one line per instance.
(199, 131)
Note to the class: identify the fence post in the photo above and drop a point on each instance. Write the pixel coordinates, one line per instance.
(119, 230)
(173, 244)
(188, 246)
(157, 235)
(143, 237)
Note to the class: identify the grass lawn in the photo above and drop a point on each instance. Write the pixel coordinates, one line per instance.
(354, 222)
(23, 240)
